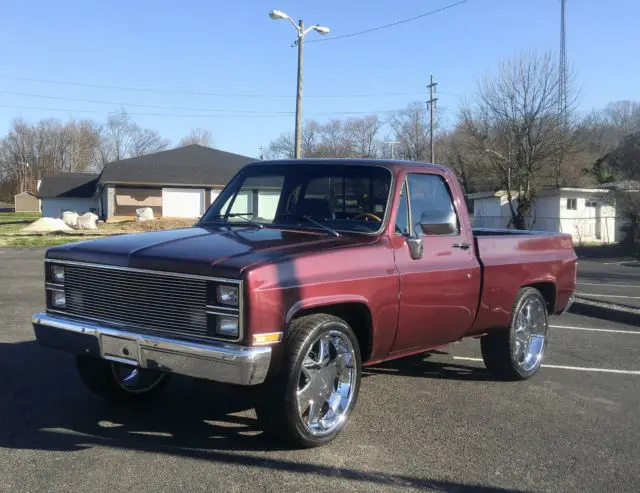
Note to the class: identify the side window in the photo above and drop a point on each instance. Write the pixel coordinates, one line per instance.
(429, 194)
(402, 218)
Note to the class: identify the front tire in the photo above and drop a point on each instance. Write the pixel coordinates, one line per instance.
(117, 382)
(516, 353)
(309, 402)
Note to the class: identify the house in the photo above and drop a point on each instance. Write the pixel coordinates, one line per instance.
(69, 192)
(180, 182)
(26, 202)
(588, 214)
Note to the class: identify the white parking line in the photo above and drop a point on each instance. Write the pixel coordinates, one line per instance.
(607, 285)
(613, 331)
(609, 295)
(562, 367)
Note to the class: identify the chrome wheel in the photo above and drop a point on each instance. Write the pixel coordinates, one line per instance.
(326, 383)
(136, 380)
(530, 333)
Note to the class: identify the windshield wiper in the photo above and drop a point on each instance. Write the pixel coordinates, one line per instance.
(320, 225)
(246, 217)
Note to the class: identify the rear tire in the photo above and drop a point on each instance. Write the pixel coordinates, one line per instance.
(117, 382)
(517, 352)
(309, 402)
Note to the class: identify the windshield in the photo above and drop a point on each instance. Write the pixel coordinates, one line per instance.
(338, 197)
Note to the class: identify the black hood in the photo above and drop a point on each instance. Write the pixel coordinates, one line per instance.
(215, 251)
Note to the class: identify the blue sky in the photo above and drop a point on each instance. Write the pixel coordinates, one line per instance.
(233, 48)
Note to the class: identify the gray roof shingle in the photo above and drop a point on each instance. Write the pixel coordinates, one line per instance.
(188, 165)
(78, 185)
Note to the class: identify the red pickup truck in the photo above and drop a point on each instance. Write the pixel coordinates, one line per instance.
(298, 275)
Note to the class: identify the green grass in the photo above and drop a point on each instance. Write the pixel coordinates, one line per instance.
(20, 215)
(41, 241)
(14, 226)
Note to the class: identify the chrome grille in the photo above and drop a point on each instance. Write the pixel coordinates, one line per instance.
(148, 302)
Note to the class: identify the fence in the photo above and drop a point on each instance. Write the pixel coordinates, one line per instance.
(601, 229)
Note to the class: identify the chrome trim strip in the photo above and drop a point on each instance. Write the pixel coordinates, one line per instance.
(232, 310)
(54, 287)
(146, 271)
(223, 314)
(221, 362)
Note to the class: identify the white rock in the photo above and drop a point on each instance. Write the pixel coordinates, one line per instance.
(87, 221)
(144, 214)
(47, 225)
(70, 218)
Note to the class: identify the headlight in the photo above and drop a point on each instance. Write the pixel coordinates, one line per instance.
(57, 274)
(58, 299)
(228, 295)
(227, 326)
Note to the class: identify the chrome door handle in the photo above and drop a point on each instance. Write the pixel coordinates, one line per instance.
(464, 246)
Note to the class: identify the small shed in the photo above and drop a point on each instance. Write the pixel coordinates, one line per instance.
(26, 202)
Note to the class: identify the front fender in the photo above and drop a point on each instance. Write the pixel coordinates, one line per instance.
(318, 301)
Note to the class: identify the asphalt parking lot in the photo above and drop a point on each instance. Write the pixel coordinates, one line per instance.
(610, 281)
(438, 424)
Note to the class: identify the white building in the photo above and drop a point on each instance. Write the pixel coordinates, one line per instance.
(69, 192)
(588, 214)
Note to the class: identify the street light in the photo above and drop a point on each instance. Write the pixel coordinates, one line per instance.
(279, 15)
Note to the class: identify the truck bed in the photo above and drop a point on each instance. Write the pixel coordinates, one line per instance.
(511, 259)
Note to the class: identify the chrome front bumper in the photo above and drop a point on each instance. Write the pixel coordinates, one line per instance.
(217, 361)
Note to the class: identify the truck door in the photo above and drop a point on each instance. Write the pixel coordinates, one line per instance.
(439, 289)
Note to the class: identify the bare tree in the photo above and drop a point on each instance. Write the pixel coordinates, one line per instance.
(121, 138)
(282, 148)
(198, 136)
(411, 129)
(516, 118)
(362, 136)
(472, 168)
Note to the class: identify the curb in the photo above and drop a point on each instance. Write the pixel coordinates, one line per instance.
(606, 311)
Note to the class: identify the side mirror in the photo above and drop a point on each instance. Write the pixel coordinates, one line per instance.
(438, 222)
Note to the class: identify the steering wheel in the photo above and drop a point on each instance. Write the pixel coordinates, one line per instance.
(366, 216)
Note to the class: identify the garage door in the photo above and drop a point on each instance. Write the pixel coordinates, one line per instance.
(182, 202)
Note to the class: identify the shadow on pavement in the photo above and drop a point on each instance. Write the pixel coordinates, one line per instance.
(45, 407)
(420, 366)
(616, 251)
(604, 313)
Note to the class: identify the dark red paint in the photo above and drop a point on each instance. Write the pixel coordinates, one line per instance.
(414, 305)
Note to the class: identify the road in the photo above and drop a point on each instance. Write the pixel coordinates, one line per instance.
(440, 424)
(610, 281)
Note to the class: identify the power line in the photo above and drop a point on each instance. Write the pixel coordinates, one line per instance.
(203, 115)
(386, 26)
(203, 93)
(140, 105)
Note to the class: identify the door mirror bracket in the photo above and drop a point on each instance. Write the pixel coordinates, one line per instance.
(416, 247)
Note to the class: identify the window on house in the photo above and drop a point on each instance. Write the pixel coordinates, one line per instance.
(572, 204)
(591, 203)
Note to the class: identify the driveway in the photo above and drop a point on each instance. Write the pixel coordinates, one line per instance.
(438, 423)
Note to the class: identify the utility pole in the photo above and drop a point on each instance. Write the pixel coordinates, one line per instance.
(298, 135)
(392, 143)
(562, 86)
(261, 152)
(432, 104)
(323, 30)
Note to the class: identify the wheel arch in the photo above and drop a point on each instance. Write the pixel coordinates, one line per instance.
(355, 311)
(548, 291)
